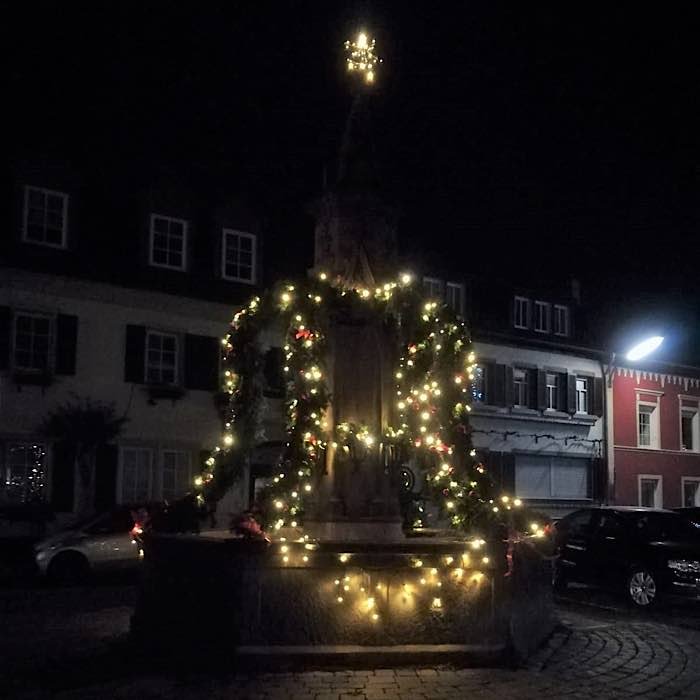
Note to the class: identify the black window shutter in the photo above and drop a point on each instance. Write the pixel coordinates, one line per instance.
(62, 477)
(571, 393)
(135, 354)
(490, 371)
(66, 343)
(201, 362)
(532, 388)
(562, 397)
(541, 378)
(499, 389)
(106, 462)
(508, 382)
(5, 336)
(508, 471)
(598, 390)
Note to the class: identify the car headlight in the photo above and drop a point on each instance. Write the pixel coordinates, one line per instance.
(685, 566)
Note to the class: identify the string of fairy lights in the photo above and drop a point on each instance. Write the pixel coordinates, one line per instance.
(432, 404)
(432, 401)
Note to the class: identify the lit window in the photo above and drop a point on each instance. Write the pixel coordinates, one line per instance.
(136, 481)
(561, 320)
(168, 242)
(581, 395)
(433, 288)
(553, 391)
(455, 297)
(24, 472)
(542, 311)
(32, 342)
(520, 388)
(238, 257)
(175, 474)
(650, 495)
(690, 429)
(691, 492)
(161, 358)
(479, 385)
(647, 426)
(521, 312)
(45, 217)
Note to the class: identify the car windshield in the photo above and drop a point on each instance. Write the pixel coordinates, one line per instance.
(666, 526)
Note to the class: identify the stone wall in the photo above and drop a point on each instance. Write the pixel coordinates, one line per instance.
(200, 593)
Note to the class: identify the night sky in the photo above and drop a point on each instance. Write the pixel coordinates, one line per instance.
(527, 142)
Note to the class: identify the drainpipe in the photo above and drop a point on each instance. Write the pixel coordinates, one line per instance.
(608, 423)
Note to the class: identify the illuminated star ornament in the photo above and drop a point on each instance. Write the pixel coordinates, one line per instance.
(361, 58)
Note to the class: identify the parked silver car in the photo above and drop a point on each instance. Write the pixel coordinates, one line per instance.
(101, 543)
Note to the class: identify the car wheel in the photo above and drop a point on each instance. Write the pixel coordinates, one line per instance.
(642, 589)
(68, 569)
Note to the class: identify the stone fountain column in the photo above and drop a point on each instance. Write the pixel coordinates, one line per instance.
(357, 491)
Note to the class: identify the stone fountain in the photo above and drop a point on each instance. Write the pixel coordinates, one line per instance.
(353, 586)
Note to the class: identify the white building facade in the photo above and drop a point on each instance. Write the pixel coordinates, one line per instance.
(537, 423)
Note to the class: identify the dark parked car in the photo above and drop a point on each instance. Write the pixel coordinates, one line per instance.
(691, 513)
(645, 552)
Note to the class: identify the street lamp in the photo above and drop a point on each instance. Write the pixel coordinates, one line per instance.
(644, 348)
(636, 352)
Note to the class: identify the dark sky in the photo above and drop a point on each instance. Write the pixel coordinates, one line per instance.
(530, 140)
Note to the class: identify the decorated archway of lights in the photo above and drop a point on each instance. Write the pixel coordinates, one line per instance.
(433, 396)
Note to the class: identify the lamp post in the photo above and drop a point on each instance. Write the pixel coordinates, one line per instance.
(637, 352)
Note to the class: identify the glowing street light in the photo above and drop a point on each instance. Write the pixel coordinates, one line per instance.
(644, 348)
(361, 58)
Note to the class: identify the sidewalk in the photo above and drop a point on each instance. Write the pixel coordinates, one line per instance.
(585, 658)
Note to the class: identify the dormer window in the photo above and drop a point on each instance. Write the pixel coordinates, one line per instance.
(168, 245)
(542, 314)
(238, 257)
(561, 320)
(433, 288)
(521, 312)
(45, 217)
(455, 297)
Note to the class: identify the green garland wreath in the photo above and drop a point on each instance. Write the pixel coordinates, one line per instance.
(433, 396)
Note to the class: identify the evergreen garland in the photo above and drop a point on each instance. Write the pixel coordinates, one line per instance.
(433, 392)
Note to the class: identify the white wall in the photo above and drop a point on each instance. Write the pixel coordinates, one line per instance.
(104, 311)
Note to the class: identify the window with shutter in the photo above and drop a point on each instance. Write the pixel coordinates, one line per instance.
(521, 390)
(552, 391)
(32, 342)
(161, 358)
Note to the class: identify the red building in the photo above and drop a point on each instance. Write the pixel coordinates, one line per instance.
(654, 436)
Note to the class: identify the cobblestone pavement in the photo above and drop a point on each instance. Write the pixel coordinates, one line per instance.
(589, 656)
